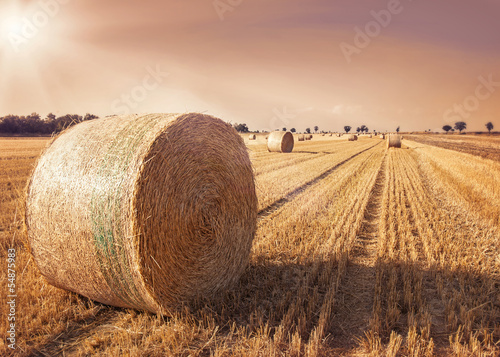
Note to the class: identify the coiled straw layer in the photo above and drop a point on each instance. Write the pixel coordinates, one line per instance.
(145, 212)
(280, 141)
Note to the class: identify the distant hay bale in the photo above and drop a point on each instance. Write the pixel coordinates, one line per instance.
(382, 136)
(280, 141)
(309, 137)
(330, 134)
(339, 135)
(352, 137)
(322, 134)
(370, 136)
(146, 212)
(394, 141)
(252, 137)
(301, 137)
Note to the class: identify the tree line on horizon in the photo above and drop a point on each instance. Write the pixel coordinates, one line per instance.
(34, 124)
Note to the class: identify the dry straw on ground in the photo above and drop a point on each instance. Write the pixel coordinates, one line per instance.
(394, 141)
(280, 141)
(145, 212)
(252, 137)
(352, 137)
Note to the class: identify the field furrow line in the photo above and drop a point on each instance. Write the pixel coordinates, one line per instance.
(292, 194)
(356, 293)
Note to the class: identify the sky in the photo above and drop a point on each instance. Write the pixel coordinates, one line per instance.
(416, 64)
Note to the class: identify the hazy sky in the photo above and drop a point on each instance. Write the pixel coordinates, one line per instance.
(416, 64)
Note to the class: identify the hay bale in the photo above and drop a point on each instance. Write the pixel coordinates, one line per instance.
(280, 141)
(382, 136)
(370, 136)
(309, 137)
(394, 141)
(252, 137)
(352, 137)
(146, 212)
(330, 134)
(301, 137)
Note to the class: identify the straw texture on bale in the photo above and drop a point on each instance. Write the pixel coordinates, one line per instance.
(251, 137)
(145, 212)
(280, 141)
(352, 137)
(300, 137)
(394, 141)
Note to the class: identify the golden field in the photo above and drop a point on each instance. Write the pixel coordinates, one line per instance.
(360, 250)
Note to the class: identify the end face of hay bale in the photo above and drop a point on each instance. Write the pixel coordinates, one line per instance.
(280, 141)
(252, 137)
(394, 141)
(352, 137)
(146, 212)
(301, 137)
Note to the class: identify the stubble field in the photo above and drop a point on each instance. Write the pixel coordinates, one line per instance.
(360, 250)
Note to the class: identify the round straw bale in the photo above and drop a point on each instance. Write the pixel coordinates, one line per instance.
(252, 137)
(147, 212)
(370, 136)
(280, 141)
(300, 137)
(352, 137)
(330, 134)
(382, 136)
(394, 141)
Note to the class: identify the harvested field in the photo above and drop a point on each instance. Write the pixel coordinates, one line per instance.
(487, 146)
(359, 251)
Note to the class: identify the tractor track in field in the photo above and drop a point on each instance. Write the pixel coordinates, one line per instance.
(356, 293)
(273, 207)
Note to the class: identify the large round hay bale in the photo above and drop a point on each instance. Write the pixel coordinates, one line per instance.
(394, 141)
(252, 137)
(352, 137)
(301, 137)
(145, 212)
(280, 141)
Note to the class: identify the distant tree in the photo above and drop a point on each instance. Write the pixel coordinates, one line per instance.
(364, 128)
(397, 129)
(89, 116)
(447, 128)
(347, 128)
(241, 128)
(358, 129)
(292, 130)
(50, 116)
(489, 126)
(460, 125)
(316, 128)
(308, 130)
(284, 129)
